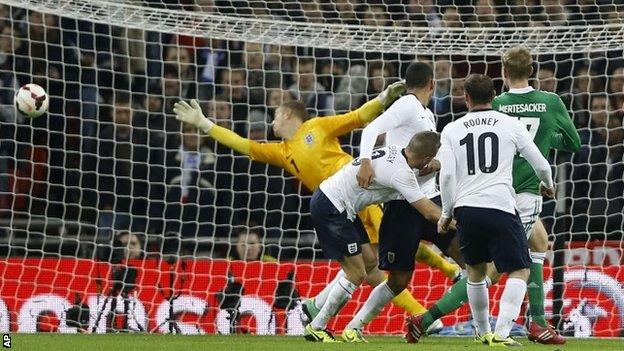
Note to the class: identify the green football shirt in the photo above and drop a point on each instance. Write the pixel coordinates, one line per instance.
(548, 122)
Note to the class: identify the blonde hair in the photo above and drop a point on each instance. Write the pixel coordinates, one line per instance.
(518, 62)
(424, 144)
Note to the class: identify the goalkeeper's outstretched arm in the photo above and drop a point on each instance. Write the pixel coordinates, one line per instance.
(192, 114)
(381, 102)
(338, 125)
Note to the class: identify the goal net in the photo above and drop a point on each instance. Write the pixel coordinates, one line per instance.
(114, 216)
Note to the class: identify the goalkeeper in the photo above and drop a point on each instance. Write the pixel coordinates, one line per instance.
(551, 127)
(311, 152)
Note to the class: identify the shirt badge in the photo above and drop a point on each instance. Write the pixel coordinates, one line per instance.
(352, 248)
(309, 138)
(391, 257)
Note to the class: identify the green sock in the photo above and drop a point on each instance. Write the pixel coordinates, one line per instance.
(452, 300)
(535, 290)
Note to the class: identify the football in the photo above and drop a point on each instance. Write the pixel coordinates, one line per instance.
(32, 100)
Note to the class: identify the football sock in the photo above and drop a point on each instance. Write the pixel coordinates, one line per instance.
(479, 305)
(510, 304)
(535, 288)
(456, 297)
(339, 295)
(427, 256)
(406, 301)
(379, 297)
(320, 299)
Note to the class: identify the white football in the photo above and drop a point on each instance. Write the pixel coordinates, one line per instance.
(32, 100)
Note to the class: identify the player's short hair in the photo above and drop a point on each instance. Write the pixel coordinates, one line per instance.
(418, 75)
(424, 144)
(298, 109)
(518, 62)
(480, 88)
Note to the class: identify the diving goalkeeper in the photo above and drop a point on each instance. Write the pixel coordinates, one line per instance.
(311, 152)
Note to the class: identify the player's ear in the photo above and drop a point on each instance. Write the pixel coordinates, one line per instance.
(287, 113)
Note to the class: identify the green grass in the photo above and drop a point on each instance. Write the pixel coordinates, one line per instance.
(128, 342)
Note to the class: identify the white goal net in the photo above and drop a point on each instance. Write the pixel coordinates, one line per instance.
(114, 216)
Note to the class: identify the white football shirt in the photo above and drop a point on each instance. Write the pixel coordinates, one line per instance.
(406, 117)
(394, 180)
(477, 156)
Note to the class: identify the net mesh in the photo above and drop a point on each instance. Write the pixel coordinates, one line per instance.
(109, 174)
(408, 29)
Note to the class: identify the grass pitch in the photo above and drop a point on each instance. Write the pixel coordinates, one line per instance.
(128, 342)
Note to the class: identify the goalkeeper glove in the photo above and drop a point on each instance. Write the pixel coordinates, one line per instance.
(392, 93)
(192, 114)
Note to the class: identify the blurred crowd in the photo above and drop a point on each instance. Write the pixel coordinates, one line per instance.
(110, 153)
(421, 13)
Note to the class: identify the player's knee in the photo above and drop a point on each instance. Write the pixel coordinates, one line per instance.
(375, 277)
(494, 277)
(453, 252)
(538, 241)
(370, 264)
(356, 276)
(520, 274)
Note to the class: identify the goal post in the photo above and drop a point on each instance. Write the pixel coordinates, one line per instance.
(107, 203)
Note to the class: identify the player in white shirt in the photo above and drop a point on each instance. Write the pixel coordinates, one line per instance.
(334, 207)
(476, 182)
(401, 228)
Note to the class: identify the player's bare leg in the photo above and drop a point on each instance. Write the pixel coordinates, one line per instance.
(453, 252)
(379, 297)
(374, 276)
(539, 329)
(355, 273)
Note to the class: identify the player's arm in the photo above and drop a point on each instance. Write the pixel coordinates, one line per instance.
(567, 137)
(405, 183)
(448, 182)
(428, 209)
(338, 125)
(531, 153)
(192, 114)
(392, 118)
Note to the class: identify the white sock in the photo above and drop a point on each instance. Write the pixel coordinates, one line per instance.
(538, 257)
(488, 281)
(379, 298)
(339, 295)
(510, 304)
(479, 305)
(319, 300)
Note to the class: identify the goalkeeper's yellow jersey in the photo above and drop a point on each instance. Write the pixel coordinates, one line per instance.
(314, 153)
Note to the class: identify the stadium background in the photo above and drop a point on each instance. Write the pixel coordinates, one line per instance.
(109, 157)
